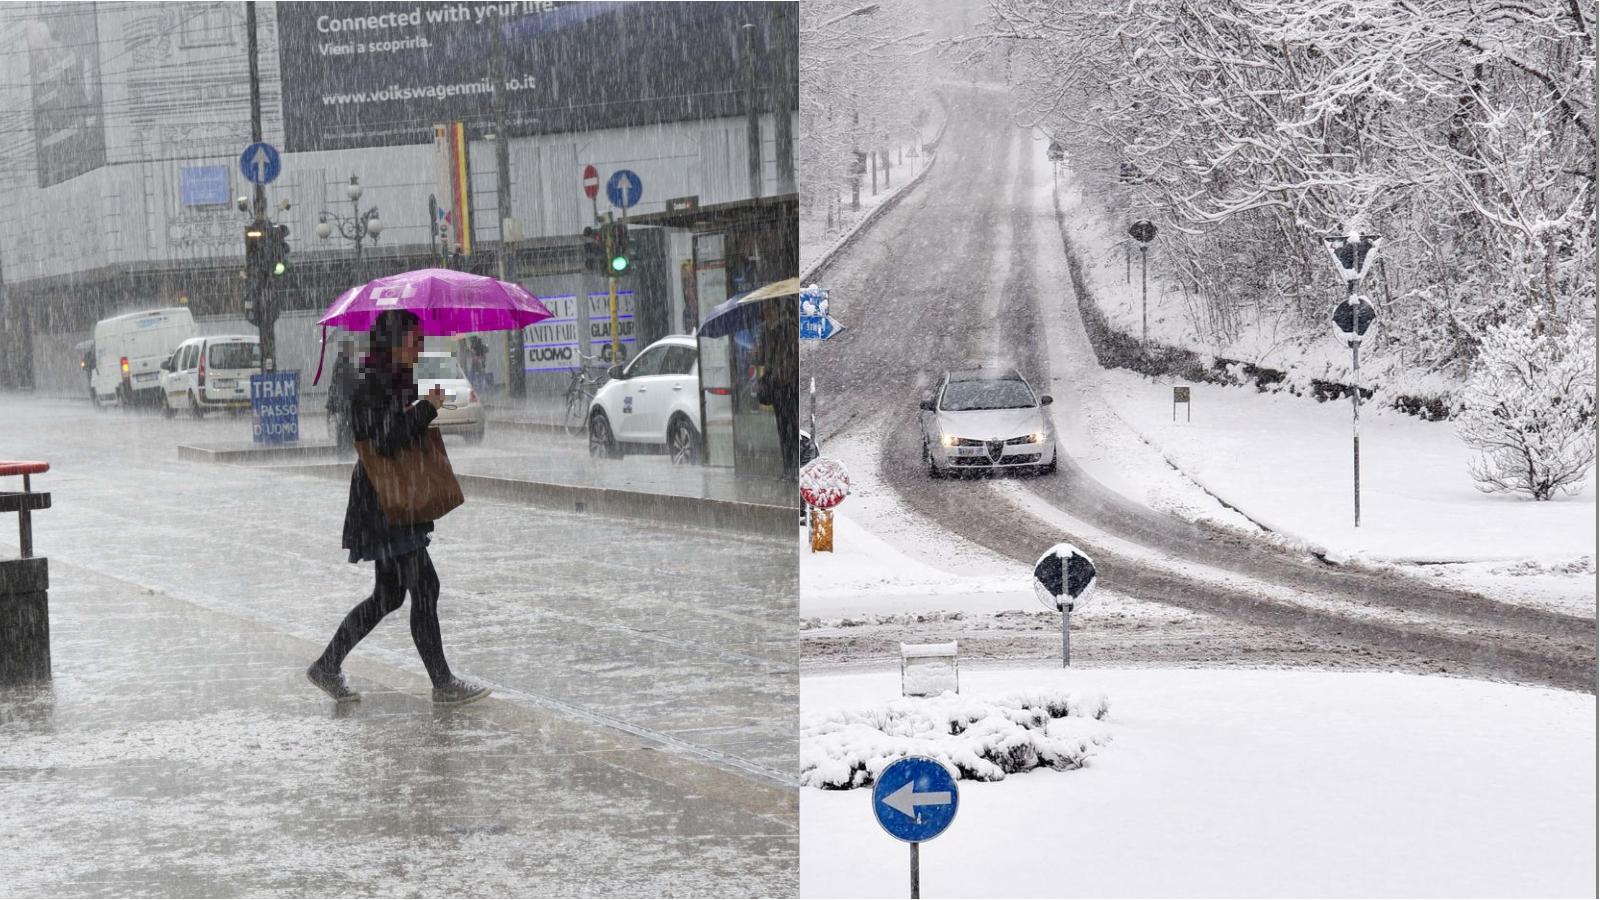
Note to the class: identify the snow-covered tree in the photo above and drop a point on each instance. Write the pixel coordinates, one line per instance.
(1530, 409)
(864, 86)
(1464, 131)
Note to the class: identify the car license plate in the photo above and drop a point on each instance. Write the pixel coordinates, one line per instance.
(969, 451)
(227, 383)
(146, 376)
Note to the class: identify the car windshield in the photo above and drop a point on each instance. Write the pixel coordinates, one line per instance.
(968, 395)
(238, 355)
(437, 368)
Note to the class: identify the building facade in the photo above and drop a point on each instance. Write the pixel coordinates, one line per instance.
(123, 164)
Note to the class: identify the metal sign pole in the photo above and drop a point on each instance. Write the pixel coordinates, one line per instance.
(1355, 422)
(1066, 636)
(1144, 304)
(916, 873)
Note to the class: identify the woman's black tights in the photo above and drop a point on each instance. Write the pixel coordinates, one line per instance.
(411, 573)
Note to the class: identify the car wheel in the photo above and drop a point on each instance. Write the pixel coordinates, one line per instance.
(166, 406)
(602, 442)
(473, 437)
(195, 408)
(683, 443)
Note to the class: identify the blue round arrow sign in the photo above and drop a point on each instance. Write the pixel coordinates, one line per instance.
(915, 799)
(260, 163)
(624, 189)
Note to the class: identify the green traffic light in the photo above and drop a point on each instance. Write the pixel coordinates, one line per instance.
(619, 263)
(279, 269)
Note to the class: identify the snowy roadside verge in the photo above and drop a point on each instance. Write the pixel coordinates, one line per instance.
(1251, 460)
(1250, 783)
(816, 255)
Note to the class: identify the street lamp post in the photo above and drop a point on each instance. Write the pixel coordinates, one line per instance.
(357, 226)
(1353, 255)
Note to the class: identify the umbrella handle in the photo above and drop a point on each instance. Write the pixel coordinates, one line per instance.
(321, 355)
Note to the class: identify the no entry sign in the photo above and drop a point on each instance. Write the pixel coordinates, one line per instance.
(591, 182)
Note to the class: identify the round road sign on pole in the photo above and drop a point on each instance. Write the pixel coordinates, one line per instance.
(824, 483)
(1063, 577)
(591, 182)
(1354, 316)
(624, 189)
(915, 799)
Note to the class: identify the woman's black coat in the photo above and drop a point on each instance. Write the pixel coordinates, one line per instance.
(383, 410)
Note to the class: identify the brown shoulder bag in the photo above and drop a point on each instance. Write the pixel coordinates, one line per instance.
(416, 484)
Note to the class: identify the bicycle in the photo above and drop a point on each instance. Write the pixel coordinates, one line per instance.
(581, 392)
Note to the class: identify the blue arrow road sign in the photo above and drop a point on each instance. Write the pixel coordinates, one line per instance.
(915, 799)
(260, 163)
(624, 189)
(819, 328)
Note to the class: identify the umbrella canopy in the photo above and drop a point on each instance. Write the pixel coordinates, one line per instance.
(733, 314)
(448, 303)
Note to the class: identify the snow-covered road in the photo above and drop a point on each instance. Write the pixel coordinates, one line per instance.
(917, 292)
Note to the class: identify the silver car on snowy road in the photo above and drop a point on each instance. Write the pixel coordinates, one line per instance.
(984, 419)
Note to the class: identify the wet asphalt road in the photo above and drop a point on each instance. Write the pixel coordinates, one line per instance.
(954, 273)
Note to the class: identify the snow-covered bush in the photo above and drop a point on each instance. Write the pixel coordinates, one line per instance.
(981, 739)
(1530, 409)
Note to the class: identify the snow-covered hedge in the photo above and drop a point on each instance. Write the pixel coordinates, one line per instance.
(982, 739)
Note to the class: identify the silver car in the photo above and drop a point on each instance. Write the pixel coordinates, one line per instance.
(986, 420)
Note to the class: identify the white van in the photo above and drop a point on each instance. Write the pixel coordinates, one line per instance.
(207, 373)
(129, 351)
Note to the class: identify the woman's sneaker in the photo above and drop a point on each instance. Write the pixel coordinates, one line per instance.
(331, 683)
(458, 692)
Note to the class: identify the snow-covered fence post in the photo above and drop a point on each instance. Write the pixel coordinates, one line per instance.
(1353, 255)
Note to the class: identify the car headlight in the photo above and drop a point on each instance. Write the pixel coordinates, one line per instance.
(949, 440)
(1038, 437)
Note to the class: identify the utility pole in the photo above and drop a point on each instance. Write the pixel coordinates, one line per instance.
(753, 108)
(784, 86)
(505, 264)
(256, 287)
(611, 282)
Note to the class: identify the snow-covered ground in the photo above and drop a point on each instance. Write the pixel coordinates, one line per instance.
(1286, 462)
(1248, 783)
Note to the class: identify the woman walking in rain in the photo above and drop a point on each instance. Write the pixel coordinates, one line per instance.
(386, 412)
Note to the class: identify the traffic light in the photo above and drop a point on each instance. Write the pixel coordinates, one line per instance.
(278, 249)
(618, 249)
(256, 243)
(594, 251)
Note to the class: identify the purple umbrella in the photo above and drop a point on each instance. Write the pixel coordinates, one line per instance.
(448, 302)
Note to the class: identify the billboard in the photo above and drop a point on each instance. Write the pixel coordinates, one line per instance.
(554, 344)
(69, 129)
(364, 74)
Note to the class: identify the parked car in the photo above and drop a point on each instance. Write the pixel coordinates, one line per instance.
(129, 350)
(207, 373)
(653, 403)
(985, 419)
(462, 412)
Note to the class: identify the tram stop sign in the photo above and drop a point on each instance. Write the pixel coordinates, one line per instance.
(1143, 231)
(915, 799)
(1353, 316)
(1063, 577)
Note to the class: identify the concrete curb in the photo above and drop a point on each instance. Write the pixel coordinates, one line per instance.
(674, 509)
